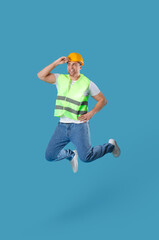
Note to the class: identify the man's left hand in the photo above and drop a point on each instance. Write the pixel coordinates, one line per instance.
(86, 117)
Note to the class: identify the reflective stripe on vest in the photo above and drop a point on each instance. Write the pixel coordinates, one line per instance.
(71, 102)
(70, 110)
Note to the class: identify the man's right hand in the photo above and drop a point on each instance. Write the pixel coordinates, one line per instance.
(61, 60)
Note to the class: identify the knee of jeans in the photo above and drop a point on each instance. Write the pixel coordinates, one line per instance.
(49, 156)
(84, 157)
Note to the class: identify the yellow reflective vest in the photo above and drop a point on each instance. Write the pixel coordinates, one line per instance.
(70, 101)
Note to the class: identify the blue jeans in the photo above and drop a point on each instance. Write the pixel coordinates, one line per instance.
(79, 135)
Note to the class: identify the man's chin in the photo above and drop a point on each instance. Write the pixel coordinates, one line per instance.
(71, 74)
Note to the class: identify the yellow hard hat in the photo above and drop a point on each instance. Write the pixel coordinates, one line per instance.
(76, 57)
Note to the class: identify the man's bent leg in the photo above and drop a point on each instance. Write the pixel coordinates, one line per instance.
(80, 136)
(55, 150)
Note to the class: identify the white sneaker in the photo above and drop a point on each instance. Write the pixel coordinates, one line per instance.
(74, 162)
(116, 151)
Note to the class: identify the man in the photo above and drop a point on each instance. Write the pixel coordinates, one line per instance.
(72, 107)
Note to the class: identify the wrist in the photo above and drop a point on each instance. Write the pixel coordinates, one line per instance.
(55, 63)
(93, 112)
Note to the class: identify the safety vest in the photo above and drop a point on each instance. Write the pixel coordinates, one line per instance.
(71, 102)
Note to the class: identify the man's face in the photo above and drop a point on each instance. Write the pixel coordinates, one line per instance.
(73, 68)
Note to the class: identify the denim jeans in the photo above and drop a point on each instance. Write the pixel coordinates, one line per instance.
(79, 135)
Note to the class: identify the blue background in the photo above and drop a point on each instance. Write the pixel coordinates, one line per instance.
(109, 198)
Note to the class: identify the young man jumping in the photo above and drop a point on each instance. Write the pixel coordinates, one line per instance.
(73, 90)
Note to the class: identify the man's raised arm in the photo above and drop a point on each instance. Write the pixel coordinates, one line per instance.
(45, 74)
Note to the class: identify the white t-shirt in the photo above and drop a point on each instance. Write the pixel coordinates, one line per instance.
(92, 91)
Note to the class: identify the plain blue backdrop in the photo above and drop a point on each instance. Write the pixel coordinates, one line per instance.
(109, 198)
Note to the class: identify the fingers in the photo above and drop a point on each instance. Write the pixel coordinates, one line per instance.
(82, 118)
(85, 117)
(64, 59)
